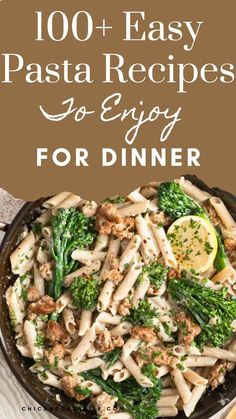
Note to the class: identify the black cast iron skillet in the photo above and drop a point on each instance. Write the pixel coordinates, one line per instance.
(210, 404)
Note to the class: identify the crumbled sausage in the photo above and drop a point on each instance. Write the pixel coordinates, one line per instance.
(217, 374)
(55, 353)
(46, 271)
(160, 218)
(187, 330)
(124, 307)
(55, 332)
(109, 221)
(33, 294)
(230, 243)
(125, 229)
(113, 273)
(174, 273)
(146, 334)
(45, 305)
(90, 208)
(105, 342)
(69, 385)
(110, 212)
(104, 404)
(160, 356)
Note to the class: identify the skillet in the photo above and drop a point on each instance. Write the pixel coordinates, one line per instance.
(210, 404)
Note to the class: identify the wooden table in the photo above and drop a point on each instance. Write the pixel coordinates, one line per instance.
(13, 398)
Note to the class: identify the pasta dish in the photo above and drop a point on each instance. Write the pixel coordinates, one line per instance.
(129, 304)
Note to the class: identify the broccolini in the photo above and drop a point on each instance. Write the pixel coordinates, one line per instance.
(156, 272)
(85, 292)
(71, 229)
(205, 304)
(142, 315)
(140, 402)
(175, 203)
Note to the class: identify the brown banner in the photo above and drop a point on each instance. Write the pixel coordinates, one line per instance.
(207, 108)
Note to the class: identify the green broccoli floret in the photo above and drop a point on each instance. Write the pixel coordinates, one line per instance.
(175, 203)
(71, 229)
(204, 304)
(85, 292)
(156, 272)
(142, 315)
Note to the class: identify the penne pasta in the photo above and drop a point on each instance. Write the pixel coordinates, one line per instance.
(181, 385)
(84, 271)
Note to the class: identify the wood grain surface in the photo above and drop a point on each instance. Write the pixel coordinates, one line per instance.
(15, 403)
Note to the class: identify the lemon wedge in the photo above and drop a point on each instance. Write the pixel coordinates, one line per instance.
(194, 243)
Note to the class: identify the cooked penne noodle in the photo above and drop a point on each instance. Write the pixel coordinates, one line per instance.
(87, 256)
(228, 273)
(84, 345)
(128, 282)
(63, 301)
(181, 385)
(22, 258)
(39, 281)
(47, 232)
(122, 329)
(50, 379)
(85, 322)
(133, 368)
(85, 270)
(194, 378)
(136, 196)
(200, 361)
(122, 375)
(16, 306)
(220, 353)
(149, 249)
(164, 246)
(31, 337)
(90, 364)
(131, 345)
(167, 401)
(101, 242)
(162, 371)
(134, 209)
(94, 352)
(104, 298)
(56, 200)
(129, 252)
(69, 320)
(23, 349)
(120, 415)
(93, 387)
(112, 253)
(193, 191)
(168, 411)
(104, 317)
(72, 201)
(223, 213)
(106, 370)
(44, 253)
(140, 290)
(197, 393)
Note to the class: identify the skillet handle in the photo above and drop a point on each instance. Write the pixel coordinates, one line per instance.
(3, 226)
